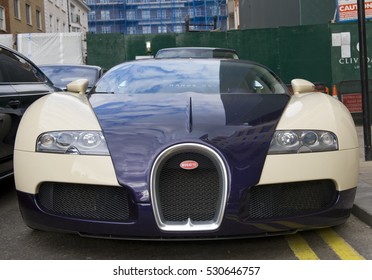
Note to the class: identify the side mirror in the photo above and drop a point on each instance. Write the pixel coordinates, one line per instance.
(302, 86)
(79, 86)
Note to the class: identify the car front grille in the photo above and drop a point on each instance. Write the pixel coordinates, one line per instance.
(287, 199)
(188, 197)
(92, 202)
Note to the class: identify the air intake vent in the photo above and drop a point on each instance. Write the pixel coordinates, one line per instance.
(287, 200)
(101, 203)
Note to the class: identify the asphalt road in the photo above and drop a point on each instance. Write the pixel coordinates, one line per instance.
(353, 240)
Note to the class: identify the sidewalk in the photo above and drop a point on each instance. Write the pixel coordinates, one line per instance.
(363, 201)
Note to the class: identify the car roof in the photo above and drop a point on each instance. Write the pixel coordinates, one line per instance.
(199, 48)
(210, 49)
(155, 61)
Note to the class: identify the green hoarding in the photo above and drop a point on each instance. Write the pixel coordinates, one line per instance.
(346, 64)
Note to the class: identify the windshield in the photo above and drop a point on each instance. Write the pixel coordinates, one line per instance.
(63, 75)
(201, 76)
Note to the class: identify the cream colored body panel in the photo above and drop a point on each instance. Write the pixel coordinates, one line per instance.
(316, 111)
(49, 114)
(340, 166)
(79, 169)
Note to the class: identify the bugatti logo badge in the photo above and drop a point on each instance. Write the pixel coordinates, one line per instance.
(189, 164)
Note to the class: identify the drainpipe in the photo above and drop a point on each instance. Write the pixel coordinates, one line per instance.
(68, 16)
(364, 80)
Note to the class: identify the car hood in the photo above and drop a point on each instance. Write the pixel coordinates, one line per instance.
(139, 127)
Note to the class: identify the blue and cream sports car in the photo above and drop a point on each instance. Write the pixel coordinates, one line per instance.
(180, 149)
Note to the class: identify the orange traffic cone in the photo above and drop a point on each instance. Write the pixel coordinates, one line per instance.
(334, 92)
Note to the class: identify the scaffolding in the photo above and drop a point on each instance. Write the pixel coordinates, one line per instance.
(155, 16)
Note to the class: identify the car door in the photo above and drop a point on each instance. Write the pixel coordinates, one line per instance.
(8, 102)
(21, 84)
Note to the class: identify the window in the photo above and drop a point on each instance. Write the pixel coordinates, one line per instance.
(2, 18)
(178, 13)
(162, 29)
(51, 23)
(18, 70)
(162, 14)
(92, 15)
(177, 29)
(106, 29)
(190, 12)
(17, 12)
(214, 77)
(105, 15)
(146, 14)
(38, 19)
(28, 14)
(131, 14)
(146, 29)
(131, 30)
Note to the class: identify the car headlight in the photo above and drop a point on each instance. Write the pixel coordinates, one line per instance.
(72, 142)
(302, 141)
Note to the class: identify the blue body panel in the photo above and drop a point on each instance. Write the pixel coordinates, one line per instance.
(238, 126)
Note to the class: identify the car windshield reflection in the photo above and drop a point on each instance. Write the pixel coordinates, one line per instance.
(62, 75)
(200, 76)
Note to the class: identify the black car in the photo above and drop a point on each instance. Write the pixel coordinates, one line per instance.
(21, 83)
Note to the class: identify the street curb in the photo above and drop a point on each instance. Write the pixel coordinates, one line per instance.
(362, 208)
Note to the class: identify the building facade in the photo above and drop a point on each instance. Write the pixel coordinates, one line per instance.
(66, 16)
(78, 11)
(233, 21)
(21, 16)
(56, 16)
(155, 16)
(4, 16)
(43, 16)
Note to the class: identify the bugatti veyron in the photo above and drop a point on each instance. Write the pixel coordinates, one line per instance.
(180, 149)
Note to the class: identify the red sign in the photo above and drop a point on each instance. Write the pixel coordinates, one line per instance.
(348, 10)
(189, 164)
(352, 101)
